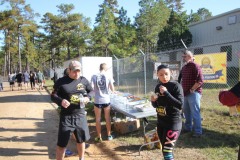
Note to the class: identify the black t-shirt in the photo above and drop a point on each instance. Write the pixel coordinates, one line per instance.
(170, 104)
(19, 77)
(70, 89)
(32, 76)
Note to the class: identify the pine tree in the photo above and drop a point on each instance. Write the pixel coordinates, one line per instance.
(106, 29)
(151, 20)
(177, 29)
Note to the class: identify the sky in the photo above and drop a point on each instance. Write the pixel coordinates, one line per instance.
(90, 8)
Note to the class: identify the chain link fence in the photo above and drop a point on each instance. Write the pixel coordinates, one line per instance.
(137, 75)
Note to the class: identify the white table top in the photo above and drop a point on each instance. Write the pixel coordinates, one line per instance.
(134, 113)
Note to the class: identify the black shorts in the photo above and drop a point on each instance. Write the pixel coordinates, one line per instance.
(11, 83)
(76, 124)
(102, 105)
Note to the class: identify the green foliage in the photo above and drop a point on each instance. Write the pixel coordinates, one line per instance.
(200, 15)
(177, 29)
(67, 30)
(18, 26)
(176, 5)
(154, 57)
(150, 21)
(125, 39)
(105, 30)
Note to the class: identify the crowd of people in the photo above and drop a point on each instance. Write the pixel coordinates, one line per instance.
(26, 80)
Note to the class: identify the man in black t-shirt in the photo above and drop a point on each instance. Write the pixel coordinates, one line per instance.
(72, 117)
(19, 78)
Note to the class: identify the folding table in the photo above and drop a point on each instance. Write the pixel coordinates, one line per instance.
(136, 114)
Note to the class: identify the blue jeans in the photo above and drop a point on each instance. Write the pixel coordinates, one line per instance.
(191, 110)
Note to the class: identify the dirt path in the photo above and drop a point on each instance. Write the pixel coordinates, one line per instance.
(28, 123)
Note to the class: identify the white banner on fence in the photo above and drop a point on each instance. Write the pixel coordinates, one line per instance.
(173, 66)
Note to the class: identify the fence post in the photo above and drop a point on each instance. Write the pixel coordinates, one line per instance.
(145, 77)
(117, 71)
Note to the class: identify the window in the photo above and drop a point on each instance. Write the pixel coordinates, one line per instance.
(227, 49)
(232, 19)
(198, 51)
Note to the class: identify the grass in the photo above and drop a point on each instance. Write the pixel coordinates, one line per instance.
(220, 141)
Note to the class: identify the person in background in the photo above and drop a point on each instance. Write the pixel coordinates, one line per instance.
(32, 80)
(66, 93)
(26, 77)
(11, 80)
(231, 98)
(168, 101)
(180, 79)
(40, 79)
(103, 85)
(192, 81)
(1, 83)
(55, 76)
(19, 78)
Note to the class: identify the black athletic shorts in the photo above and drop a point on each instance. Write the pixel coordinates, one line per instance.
(102, 105)
(76, 124)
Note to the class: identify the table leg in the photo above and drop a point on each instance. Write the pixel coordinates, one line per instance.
(146, 145)
(145, 123)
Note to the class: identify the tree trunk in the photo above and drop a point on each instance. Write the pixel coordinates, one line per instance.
(68, 49)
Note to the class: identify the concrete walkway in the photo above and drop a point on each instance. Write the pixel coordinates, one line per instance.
(28, 125)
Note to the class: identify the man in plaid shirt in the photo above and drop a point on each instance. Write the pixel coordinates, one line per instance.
(192, 80)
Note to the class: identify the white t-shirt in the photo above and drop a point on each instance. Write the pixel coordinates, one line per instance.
(101, 86)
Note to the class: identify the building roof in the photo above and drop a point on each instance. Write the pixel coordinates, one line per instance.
(217, 16)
